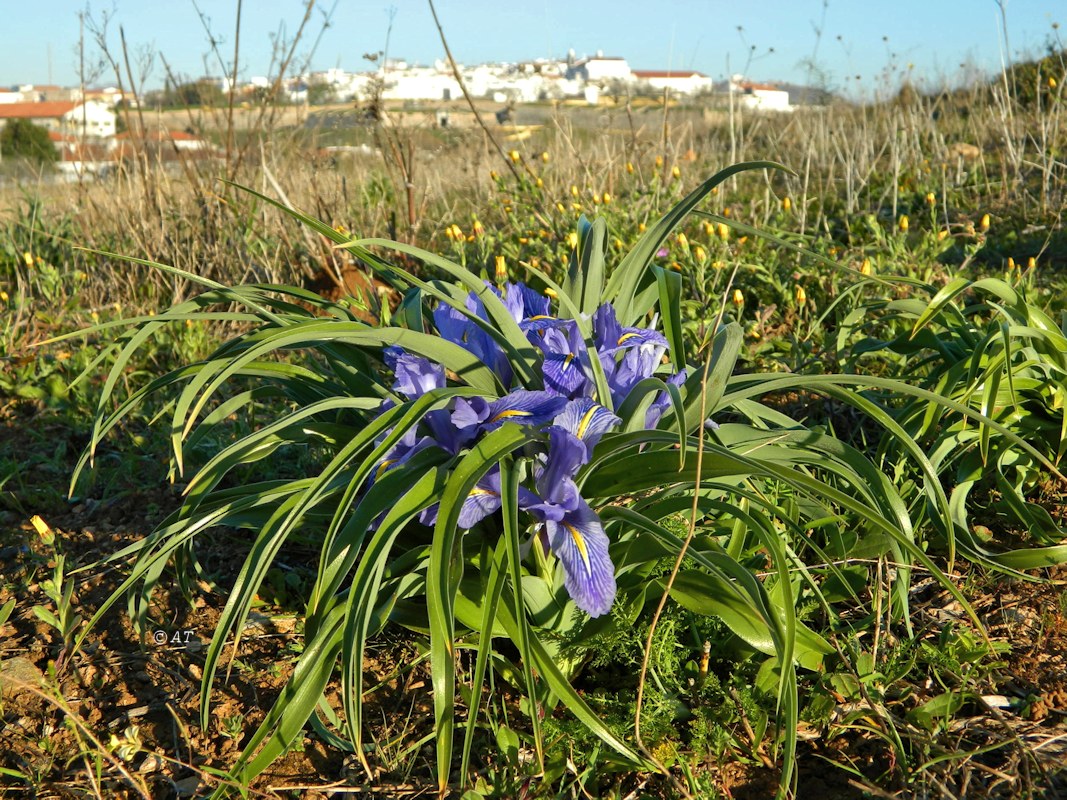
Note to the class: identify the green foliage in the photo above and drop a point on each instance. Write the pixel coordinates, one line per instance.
(774, 526)
(23, 138)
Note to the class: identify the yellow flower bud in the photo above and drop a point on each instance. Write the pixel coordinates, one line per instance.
(551, 292)
(724, 231)
(739, 298)
(1031, 263)
(699, 253)
(449, 233)
(787, 204)
(931, 199)
(801, 296)
(544, 156)
(865, 267)
(641, 227)
(596, 199)
(574, 190)
(540, 183)
(630, 167)
(501, 268)
(515, 156)
(676, 172)
(659, 162)
(1011, 263)
(494, 174)
(942, 234)
(457, 232)
(478, 229)
(984, 224)
(28, 258)
(682, 240)
(3, 296)
(605, 198)
(709, 229)
(572, 239)
(1051, 82)
(903, 223)
(725, 211)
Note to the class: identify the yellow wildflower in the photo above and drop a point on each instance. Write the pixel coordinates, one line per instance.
(676, 172)
(596, 199)
(605, 198)
(515, 156)
(903, 223)
(801, 296)
(942, 234)
(659, 162)
(984, 224)
(723, 230)
(540, 183)
(1031, 263)
(682, 240)
(28, 258)
(551, 292)
(787, 204)
(494, 174)
(1051, 82)
(709, 229)
(739, 298)
(865, 267)
(1011, 263)
(699, 253)
(931, 199)
(572, 239)
(478, 228)
(630, 167)
(501, 268)
(3, 296)
(574, 190)
(544, 156)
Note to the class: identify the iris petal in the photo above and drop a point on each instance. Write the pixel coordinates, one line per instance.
(581, 545)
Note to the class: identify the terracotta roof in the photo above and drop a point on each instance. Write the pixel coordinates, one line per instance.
(48, 110)
(667, 73)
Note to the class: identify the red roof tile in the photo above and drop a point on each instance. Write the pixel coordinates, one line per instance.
(49, 110)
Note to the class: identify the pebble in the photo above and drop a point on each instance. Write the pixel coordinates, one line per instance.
(16, 673)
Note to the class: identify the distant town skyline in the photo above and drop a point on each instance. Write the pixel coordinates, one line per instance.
(848, 46)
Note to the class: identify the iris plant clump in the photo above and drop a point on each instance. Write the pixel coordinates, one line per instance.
(566, 412)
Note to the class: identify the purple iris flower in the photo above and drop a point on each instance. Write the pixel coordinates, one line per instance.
(415, 375)
(587, 421)
(521, 406)
(663, 401)
(572, 529)
(458, 329)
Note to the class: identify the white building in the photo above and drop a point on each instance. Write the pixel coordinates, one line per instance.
(89, 119)
(600, 69)
(759, 96)
(678, 81)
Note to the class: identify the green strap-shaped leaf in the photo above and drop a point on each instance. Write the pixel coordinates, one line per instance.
(622, 287)
(444, 573)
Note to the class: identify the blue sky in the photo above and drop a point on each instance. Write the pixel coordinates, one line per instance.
(859, 37)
